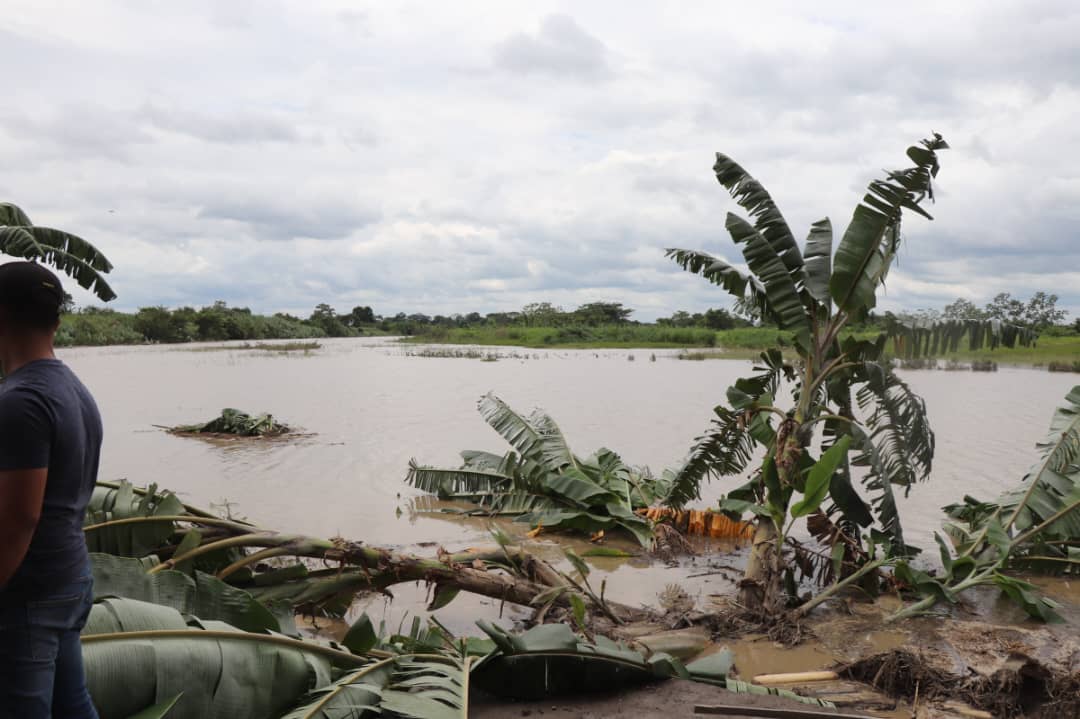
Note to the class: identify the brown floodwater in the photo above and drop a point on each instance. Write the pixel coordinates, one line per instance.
(370, 405)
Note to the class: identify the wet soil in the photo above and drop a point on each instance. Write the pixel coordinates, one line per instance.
(673, 698)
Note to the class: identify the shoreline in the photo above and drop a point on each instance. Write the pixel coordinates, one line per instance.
(1032, 358)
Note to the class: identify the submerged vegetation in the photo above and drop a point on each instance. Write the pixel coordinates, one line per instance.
(194, 614)
(193, 619)
(541, 482)
(1033, 526)
(305, 347)
(233, 422)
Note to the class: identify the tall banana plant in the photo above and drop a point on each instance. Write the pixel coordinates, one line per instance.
(542, 482)
(814, 293)
(68, 253)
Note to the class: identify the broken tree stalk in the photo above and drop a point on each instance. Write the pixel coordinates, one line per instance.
(807, 607)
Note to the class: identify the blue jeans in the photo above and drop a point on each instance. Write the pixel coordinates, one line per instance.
(41, 667)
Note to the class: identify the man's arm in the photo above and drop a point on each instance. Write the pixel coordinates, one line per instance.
(22, 492)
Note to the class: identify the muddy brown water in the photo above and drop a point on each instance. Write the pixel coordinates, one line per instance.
(371, 407)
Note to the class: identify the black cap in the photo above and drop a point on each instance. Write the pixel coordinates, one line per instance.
(30, 292)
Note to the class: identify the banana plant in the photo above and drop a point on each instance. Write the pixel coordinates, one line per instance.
(542, 482)
(1032, 526)
(144, 659)
(167, 538)
(930, 338)
(843, 388)
(68, 253)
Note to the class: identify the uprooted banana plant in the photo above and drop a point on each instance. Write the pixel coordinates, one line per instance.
(236, 423)
(815, 294)
(287, 573)
(542, 482)
(144, 659)
(1033, 526)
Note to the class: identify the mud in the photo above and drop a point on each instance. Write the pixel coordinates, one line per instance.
(673, 698)
(982, 656)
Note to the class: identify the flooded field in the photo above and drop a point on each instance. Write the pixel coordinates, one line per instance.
(371, 405)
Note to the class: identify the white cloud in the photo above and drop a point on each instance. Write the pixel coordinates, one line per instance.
(417, 157)
(560, 47)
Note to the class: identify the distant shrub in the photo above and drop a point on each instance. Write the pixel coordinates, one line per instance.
(568, 335)
(918, 363)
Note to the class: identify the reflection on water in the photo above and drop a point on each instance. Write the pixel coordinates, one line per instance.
(372, 408)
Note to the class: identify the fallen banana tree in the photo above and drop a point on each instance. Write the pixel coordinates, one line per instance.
(145, 660)
(1035, 526)
(542, 482)
(1032, 527)
(276, 568)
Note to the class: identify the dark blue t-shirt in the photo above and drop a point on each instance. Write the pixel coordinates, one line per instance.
(48, 419)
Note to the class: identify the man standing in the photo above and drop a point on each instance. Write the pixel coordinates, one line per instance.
(50, 442)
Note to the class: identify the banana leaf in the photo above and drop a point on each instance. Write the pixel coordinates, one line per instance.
(138, 654)
(542, 482)
(69, 253)
(550, 660)
(200, 595)
(236, 422)
(122, 502)
(869, 244)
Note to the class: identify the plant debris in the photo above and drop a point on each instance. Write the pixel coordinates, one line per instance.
(234, 423)
(1022, 686)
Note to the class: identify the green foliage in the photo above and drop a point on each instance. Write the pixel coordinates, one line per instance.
(218, 671)
(626, 335)
(121, 502)
(233, 421)
(214, 323)
(325, 318)
(141, 658)
(930, 338)
(542, 482)
(68, 253)
(1038, 313)
(196, 594)
(872, 238)
(94, 326)
(1034, 526)
(713, 319)
(551, 660)
(812, 299)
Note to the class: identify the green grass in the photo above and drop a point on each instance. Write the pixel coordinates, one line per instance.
(1065, 350)
(726, 344)
(607, 336)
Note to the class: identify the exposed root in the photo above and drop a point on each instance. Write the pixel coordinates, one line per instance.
(1022, 687)
(899, 673)
(787, 630)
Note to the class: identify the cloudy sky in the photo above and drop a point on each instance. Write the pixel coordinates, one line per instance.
(448, 157)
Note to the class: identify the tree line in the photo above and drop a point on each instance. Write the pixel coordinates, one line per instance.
(220, 322)
(1040, 312)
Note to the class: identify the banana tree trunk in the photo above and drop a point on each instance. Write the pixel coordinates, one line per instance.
(761, 588)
